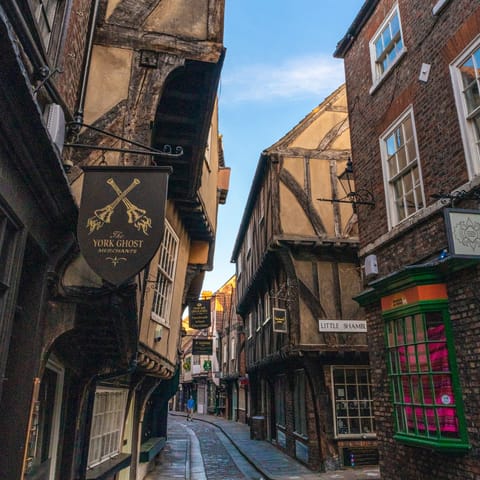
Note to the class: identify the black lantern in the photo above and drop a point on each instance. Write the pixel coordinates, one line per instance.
(360, 197)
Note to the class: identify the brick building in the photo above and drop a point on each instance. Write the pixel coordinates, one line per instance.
(412, 74)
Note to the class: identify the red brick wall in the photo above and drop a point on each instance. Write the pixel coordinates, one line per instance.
(438, 134)
(436, 42)
(72, 55)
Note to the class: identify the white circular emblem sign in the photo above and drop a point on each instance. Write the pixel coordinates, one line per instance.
(446, 400)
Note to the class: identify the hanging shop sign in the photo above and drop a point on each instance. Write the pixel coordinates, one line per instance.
(463, 232)
(202, 346)
(345, 326)
(199, 314)
(279, 320)
(121, 219)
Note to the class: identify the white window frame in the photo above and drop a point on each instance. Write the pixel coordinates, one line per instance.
(467, 129)
(232, 348)
(378, 71)
(108, 416)
(166, 268)
(350, 405)
(389, 185)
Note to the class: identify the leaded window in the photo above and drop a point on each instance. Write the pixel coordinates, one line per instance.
(163, 290)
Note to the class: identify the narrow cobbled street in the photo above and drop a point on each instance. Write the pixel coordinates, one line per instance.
(216, 449)
(198, 450)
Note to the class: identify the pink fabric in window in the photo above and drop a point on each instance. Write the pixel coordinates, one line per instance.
(442, 385)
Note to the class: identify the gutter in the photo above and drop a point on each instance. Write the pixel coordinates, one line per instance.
(363, 15)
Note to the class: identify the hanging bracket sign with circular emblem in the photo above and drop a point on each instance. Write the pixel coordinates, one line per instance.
(121, 219)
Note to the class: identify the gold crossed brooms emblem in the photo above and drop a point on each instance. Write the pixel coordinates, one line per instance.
(136, 216)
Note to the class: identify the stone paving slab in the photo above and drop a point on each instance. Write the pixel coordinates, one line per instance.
(272, 462)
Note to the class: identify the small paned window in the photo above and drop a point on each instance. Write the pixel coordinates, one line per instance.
(423, 378)
(386, 46)
(163, 291)
(403, 180)
(352, 393)
(107, 425)
(299, 395)
(466, 76)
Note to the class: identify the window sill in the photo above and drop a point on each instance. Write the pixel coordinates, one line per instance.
(379, 81)
(301, 436)
(159, 320)
(150, 448)
(356, 436)
(446, 446)
(109, 468)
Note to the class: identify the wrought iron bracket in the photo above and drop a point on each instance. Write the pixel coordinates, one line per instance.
(168, 151)
(362, 197)
(457, 196)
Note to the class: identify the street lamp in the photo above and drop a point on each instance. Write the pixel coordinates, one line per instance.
(355, 197)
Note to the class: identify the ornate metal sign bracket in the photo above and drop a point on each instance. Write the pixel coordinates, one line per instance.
(457, 196)
(168, 151)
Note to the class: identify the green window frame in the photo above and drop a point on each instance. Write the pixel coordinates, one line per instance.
(423, 375)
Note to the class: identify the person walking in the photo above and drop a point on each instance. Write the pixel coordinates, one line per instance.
(190, 407)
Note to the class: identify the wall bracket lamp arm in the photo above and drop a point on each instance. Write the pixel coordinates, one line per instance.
(354, 197)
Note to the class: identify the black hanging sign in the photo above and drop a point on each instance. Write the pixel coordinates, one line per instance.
(199, 314)
(202, 346)
(279, 320)
(121, 219)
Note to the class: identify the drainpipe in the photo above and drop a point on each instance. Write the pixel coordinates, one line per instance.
(78, 115)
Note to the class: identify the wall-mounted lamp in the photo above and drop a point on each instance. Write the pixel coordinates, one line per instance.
(360, 197)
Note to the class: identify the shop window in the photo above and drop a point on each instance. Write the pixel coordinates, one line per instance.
(424, 383)
(466, 83)
(107, 425)
(352, 395)
(299, 395)
(162, 297)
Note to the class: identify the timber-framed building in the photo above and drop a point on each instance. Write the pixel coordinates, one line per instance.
(297, 271)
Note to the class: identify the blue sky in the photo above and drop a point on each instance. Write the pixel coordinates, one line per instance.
(279, 66)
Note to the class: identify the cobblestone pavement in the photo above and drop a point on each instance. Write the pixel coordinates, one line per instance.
(200, 451)
(212, 448)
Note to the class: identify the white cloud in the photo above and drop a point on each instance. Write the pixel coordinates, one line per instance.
(294, 78)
